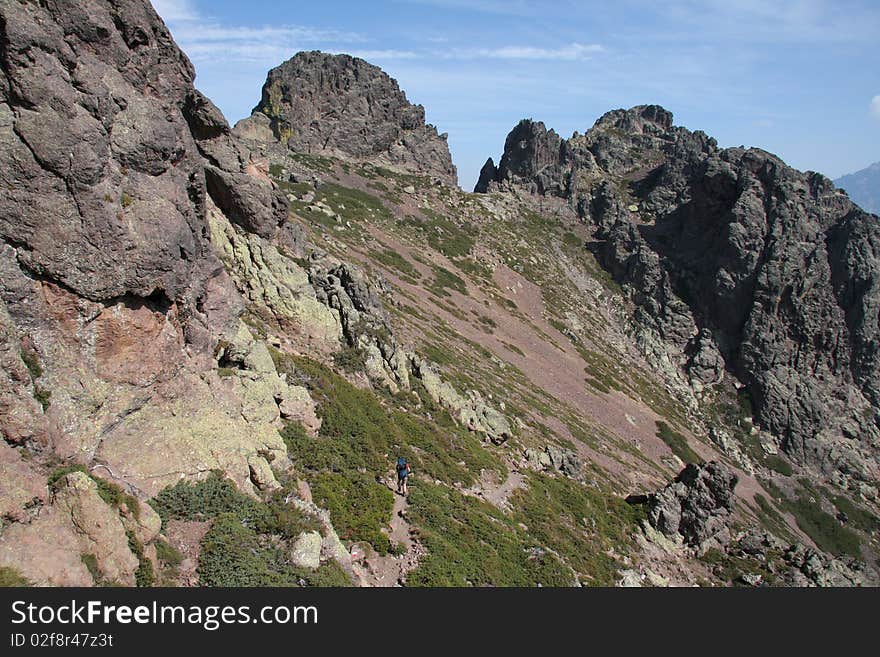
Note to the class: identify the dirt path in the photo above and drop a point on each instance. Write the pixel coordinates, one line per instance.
(390, 570)
(498, 494)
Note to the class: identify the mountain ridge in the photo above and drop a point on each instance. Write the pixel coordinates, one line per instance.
(862, 187)
(216, 341)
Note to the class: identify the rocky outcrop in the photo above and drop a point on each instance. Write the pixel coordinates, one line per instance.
(739, 266)
(77, 531)
(555, 459)
(237, 181)
(306, 550)
(795, 564)
(96, 147)
(696, 506)
(113, 303)
(471, 410)
(275, 285)
(532, 159)
(343, 106)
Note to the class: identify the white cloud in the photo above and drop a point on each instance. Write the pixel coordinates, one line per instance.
(173, 11)
(875, 107)
(206, 40)
(570, 52)
(371, 55)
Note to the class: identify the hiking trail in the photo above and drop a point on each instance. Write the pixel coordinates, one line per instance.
(389, 570)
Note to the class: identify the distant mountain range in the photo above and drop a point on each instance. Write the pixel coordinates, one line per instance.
(863, 187)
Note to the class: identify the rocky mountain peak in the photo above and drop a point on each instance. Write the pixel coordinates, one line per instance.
(737, 261)
(642, 119)
(341, 105)
(540, 161)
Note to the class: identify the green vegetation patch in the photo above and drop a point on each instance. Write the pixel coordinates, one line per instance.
(311, 162)
(394, 260)
(215, 495)
(359, 507)
(731, 569)
(445, 280)
(857, 515)
(32, 362)
(824, 530)
(144, 575)
(11, 577)
(359, 440)
(570, 529)
(579, 522)
(233, 554)
(677, 443)
(446, 236)
(471, 543)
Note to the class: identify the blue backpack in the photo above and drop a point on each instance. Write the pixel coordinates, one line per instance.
(401, 467)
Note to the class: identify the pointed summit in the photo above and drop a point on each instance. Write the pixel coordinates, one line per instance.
(343, 106)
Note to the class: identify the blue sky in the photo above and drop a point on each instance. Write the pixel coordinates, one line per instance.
(799, 78)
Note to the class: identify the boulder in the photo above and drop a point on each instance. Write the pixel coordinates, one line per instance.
(696, 505)
(306, 550)
(49, 550)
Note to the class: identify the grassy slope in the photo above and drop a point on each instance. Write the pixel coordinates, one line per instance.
(438, 248)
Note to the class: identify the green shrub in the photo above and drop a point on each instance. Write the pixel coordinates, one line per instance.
(570, 239)
(233, 554)
(349, 359)
(215, 495)
(677, 443)
(32, 362)
(144, 575)
(857, 515)
(90, 561)
(167, 553)
(823, 528)
(778, 464)
(445, 280)
(579, 522)
(730, 569)
(43, 395)
(206, 499)
(446, 236)
(396, 261)
(10, 577)
(471, 543)
(329, 574)
(359, 507)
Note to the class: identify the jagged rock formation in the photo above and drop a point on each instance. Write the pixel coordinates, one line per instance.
(696, 506)
(341, 105)
(795, 564)
(115, 307)
(738, 265)
(553, 458)
(78, 523)
(165, 310)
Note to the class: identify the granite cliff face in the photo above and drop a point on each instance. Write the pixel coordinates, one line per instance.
(739, 266)
(115, 307)
(341, 105)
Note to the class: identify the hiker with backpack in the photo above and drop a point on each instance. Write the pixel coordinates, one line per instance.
(403, 471)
